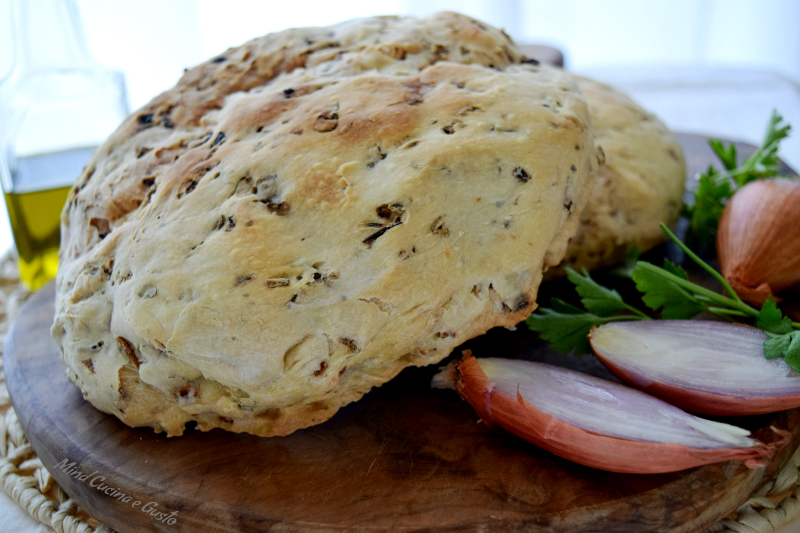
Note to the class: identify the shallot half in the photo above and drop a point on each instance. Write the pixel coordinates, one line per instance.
(706, 367)
(758, 240)
(596, 422)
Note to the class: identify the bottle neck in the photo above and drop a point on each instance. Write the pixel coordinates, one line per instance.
(49, 35)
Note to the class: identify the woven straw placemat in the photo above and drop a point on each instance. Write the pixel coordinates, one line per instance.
(773, 509)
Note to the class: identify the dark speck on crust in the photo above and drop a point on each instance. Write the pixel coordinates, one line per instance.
(438, 227)
(220, 223)
(220, 137)
(189, 187)
(322, 367)
(281, 209)
(522, 302)
(384, 211)
(127, 349)
(349, 343)
(520, 174)
(243, 279)
(327, 121)
(374, 237)
(231, 224)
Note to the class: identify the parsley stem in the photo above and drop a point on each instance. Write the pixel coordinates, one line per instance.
(632, 309)
(618, 318)
(726, 311)
(702, 263)
(698, 290)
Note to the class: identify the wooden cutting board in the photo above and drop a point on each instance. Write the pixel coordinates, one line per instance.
(404, 457)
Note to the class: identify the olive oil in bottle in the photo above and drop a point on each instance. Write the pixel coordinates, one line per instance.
(35, 223)
(40, 185)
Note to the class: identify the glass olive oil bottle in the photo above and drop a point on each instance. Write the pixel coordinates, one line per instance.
(56, 106)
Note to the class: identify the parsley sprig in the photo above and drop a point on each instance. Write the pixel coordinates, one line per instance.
(566, 326)
(716, 187)
(668, 290)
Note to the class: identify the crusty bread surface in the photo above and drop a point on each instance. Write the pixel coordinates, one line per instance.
(304, 216)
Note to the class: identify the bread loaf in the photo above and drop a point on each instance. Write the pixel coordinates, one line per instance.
(304, 216)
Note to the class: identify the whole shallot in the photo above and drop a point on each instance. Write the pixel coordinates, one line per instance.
(758, 240)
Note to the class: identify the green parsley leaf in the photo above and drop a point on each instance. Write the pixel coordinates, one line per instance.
(594, 297)
(764, 162)
(715, 188)
(726, 155)
(787, 345)
(565, 331)
(771, 319)
(659, 292)
(783, 341)
(709, 202)
(672, 268)
(624, 269)
(777, 130)
(557, 304)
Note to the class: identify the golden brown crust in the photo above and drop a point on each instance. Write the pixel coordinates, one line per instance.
(264, 243)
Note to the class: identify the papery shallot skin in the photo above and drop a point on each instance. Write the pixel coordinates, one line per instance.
(590, 448)
(758, 240)
(704, 367)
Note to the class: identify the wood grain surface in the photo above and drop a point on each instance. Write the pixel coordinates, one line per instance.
(404, 457)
